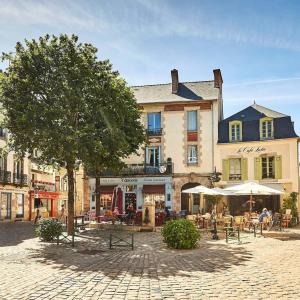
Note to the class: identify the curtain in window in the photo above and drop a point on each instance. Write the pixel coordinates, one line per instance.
(192, 154)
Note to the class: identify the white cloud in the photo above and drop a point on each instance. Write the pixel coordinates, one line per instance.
(50, 13)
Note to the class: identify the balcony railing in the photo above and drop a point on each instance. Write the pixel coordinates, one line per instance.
(20, 179)
(5, 176)
(154, 132)
(235, 176)
(143, 169)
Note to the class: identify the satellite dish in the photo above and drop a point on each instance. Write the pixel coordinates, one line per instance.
(162, 169)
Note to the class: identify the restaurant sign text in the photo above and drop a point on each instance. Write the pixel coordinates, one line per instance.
(248, 150)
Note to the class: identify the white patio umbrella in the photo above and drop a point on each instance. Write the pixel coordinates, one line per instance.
(200, 189)
(252, 188)
(222, 191)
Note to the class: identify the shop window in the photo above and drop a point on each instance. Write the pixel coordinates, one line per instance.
(235, 169)
(20, 205)
(5, 206)
(235, 131)
(268, 167)
(158, 199)
(192, 120)
(154, 123)
(266, 128)
(192, 154)
(153, 156)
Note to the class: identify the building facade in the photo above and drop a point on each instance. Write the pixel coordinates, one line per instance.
(14, 183)
(258, 144)
(181, 119)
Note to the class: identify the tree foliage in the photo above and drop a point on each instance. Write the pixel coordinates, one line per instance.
(60, 99)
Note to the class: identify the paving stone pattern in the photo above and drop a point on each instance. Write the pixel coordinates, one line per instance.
(260, 268)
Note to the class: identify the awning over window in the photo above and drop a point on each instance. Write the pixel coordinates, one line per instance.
(107, 189)
(154, 189)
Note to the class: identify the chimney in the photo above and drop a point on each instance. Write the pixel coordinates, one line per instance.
(175, 82)
(218, 78)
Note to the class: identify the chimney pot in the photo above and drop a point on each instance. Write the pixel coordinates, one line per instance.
(175, 81)
(218, 78)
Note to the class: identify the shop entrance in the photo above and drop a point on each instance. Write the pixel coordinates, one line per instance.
(130, 198)
(190, 202)
(5, 206)
(238, 205)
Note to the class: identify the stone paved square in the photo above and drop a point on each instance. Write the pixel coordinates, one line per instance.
(259, 268)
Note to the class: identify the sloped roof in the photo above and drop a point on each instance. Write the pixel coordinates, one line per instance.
(188, 91)
(268, 112)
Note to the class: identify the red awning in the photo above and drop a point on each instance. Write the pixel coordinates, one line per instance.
(154, 189)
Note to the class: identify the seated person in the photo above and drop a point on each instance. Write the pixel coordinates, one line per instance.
(263, 214)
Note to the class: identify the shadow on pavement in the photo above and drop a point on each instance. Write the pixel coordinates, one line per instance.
(12, 234)
(150, 258)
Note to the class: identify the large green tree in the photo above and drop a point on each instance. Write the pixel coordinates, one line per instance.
(59, 98)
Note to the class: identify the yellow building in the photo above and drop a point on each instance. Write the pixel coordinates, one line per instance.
(258, 144)
(181, 119)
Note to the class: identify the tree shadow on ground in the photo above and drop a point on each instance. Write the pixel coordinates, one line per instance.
(12, 234)
(150, 257)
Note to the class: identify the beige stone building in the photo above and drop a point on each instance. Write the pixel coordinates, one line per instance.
(181, 119)
(14, 183)
(258, 144)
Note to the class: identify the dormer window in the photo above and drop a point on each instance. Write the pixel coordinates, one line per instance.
(235, 131)
(266, 128)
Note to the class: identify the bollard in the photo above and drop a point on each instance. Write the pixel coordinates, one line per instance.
(110, 239)
(132, 241)
(238, 230)
(254, 228)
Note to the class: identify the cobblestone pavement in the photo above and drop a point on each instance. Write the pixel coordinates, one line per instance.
(260, 268)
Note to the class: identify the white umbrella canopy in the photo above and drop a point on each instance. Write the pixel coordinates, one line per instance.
(252, 188)
(200, 189)
(222, 191)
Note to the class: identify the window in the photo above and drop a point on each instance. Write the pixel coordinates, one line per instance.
(192, 154)
(153, 156)
(3, 163)
(266, 128)
(19, 167)
(20, 205)
(235, 131)
(2, 133)
(64, 183)
(154, 123)
(235, 169)
(5, 206)
(192, 120)
(268, 167)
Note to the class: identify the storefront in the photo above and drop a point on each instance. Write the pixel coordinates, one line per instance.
(134, 190)
(13, 204)
(258, 144)
(46, 202)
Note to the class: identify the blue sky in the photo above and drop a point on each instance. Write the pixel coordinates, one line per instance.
(256, 44)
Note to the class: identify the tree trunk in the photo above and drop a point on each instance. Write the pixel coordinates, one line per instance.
(97, 195)
(70, 172)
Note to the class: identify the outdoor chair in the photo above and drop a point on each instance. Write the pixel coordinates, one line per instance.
(239, 222)
(276, 222)
(286, 219)
(228, 221)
